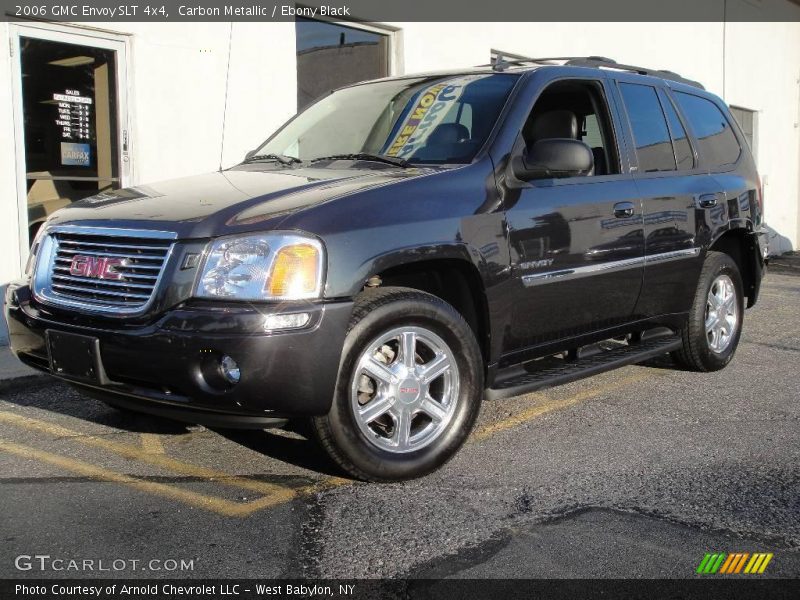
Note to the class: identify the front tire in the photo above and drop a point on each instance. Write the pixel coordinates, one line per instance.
(409, 390)
(711, 333)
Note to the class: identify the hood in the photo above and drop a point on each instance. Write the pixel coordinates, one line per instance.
(238, 199)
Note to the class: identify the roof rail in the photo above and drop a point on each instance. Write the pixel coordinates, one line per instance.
(600, 62)
(597, 62)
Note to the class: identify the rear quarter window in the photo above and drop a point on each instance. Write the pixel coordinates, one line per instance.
(717, 144)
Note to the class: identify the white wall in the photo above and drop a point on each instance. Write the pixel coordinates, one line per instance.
(260, 100)
(178, 82)
(762, 66)
(179, 109)
(692, 49)
(9, 211)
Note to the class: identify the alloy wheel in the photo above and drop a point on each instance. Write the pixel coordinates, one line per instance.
(404, 389)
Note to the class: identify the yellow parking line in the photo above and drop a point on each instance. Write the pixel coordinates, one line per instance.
(271, 494)
(151, 443)
(289, 494)
(217, 505)
(211, 503)
(549, 405)
(141, 454)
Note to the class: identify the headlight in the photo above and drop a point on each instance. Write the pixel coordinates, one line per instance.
(269, 266)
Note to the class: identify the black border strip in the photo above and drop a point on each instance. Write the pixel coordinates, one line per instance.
(399, 11)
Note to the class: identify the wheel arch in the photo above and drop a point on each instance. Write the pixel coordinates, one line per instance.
(738, 243)
(457, 281)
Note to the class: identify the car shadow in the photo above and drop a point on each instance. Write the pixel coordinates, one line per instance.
(55, 396)
(663, 362)
(293, 444)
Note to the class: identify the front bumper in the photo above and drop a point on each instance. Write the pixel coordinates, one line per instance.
(167, 366)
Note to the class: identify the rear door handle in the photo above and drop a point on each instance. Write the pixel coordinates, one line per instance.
(623, 210)
(707, 200)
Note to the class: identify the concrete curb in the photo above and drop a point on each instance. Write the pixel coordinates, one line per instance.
(3, 328)
(785, 264)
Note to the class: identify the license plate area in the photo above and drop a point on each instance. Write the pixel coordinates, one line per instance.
(74, 356)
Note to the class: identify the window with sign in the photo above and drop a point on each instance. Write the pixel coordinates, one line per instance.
(69, 122)
(419, 119)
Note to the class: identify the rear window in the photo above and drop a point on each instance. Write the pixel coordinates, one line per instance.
(650, 133)
(683, 151)
(717, 143)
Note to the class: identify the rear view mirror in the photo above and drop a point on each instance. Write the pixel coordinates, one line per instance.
(551, 158)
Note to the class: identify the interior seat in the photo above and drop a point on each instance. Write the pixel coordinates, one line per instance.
(450, 140)
(448, 133)
(553, 124)
(562, 124)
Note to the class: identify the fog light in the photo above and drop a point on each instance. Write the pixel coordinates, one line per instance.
(230, 370)
(286, 321)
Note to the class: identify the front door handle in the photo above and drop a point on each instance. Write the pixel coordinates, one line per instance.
(707, 200)
(623, 210)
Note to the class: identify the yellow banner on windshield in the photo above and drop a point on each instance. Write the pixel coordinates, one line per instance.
(430, 109)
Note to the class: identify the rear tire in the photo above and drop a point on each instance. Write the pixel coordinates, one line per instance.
(712, 331)
(409, 390)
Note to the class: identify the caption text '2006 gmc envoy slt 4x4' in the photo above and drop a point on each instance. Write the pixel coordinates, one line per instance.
(402, 249)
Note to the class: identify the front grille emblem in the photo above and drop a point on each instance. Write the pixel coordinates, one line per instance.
(95, 267)
(101, 270)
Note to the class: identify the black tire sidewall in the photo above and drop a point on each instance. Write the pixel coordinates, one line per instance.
(413, 309)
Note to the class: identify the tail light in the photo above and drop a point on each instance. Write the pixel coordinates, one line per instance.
(759, 200)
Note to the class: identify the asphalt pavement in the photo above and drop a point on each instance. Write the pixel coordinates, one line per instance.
(634, 473)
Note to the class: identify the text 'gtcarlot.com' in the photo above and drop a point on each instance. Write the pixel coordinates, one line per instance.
(45, 562)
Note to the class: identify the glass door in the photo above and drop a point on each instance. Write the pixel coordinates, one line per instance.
(71, 121)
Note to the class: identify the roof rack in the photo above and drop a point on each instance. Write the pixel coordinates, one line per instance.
(598, 62)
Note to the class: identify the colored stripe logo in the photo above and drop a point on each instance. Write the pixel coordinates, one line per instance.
(735, 563)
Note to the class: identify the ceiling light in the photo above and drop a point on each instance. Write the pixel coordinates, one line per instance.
(74, 61)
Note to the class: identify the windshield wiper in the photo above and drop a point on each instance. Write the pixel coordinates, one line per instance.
(390, 160)
(281, 158)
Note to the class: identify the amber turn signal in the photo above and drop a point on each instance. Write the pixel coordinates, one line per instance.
(295, 272)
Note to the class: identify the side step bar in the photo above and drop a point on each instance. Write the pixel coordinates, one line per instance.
(583, 367)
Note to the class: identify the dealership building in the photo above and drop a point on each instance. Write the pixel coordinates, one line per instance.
(97, 106)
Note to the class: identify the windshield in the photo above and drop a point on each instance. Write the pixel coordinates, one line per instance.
(422, 120)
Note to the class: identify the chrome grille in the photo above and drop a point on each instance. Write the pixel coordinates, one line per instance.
(139, 258)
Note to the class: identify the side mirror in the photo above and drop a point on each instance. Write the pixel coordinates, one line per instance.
(250, 154)
(556, 157)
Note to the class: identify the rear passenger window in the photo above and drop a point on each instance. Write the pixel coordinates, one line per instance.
(650, 133)
(717, 143)
(683, 151)
(591, 134)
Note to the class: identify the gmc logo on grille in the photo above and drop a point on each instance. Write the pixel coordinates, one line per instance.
(98, 267)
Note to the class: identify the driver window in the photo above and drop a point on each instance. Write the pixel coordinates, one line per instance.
(575, 110)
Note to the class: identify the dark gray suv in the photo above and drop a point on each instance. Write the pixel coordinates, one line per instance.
(404, 248)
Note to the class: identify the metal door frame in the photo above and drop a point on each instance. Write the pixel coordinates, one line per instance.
(85, 36)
